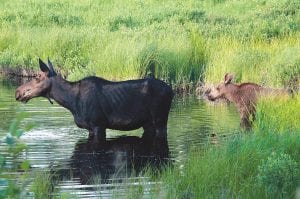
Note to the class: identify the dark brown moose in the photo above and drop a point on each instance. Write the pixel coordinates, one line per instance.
(244, 96)
(98, 104)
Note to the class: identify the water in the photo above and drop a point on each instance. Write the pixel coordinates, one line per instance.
(90, 170)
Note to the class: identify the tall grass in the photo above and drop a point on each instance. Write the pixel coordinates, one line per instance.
(236, 169)
(101, 38)
(184, 42)
(273, 63)
(281, 115)
(42, 186)
(262, 164)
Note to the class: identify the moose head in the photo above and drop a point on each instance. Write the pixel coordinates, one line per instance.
(221, 90)
(39, 85)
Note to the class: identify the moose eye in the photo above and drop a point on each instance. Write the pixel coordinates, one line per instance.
(37, 78)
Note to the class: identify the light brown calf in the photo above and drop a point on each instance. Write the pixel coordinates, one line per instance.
(244, 96)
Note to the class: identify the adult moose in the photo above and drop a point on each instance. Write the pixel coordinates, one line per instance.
(98, 104)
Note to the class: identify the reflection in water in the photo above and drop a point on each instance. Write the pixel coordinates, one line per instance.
(115, 159)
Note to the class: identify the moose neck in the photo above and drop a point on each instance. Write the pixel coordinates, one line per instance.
(64, 93)
(232, 88)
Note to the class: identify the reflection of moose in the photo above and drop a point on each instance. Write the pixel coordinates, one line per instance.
(97, 104)
(114, 159)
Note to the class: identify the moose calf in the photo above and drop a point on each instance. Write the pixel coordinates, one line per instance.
(244, 96)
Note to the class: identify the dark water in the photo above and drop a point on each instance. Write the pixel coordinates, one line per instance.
(89, 170)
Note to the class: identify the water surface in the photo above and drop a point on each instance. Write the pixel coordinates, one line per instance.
(88, 170)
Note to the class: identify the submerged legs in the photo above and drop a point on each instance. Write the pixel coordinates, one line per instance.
(155, 140)
(97, 134)
(160, 145)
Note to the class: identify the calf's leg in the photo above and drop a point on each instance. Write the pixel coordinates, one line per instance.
(245, 122)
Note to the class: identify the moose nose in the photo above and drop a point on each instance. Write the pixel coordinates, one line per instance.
(18, 95)
(208, 91)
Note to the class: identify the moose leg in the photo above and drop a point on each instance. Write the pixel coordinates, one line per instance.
(245, 122)
(149, 132)
(245, 115)
(97, 134)
(148, 137)
(160, 112)
(91, 135)
(160, 144)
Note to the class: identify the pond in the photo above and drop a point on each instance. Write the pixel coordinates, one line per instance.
(88, 170)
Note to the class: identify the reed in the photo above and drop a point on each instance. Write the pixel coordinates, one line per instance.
(42, 185)
(278, 114)
(273, 63)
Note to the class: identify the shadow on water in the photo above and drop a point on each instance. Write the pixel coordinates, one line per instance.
(115, 159)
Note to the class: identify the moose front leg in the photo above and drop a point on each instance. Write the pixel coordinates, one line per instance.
(91, 135)
(245, 122)
(161, 148)
(247, 115)
(97, 134)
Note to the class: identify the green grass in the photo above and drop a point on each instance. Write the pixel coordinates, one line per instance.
(273, 63)
(184, 42)
(280, 115)
(264, 163)
(42, 186)
(235, 170)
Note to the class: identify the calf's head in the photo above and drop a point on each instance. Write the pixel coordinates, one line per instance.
(222, 90)
(39, 85)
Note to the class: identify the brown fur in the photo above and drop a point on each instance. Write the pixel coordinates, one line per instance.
(244, 96)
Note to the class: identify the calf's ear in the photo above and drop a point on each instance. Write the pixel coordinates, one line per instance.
(228, 77)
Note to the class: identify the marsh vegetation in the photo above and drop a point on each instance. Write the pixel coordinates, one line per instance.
(182, 42)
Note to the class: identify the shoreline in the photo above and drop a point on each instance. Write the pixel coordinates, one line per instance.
(197, 88)
(17, 72)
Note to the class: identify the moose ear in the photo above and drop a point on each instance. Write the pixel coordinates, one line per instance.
(43, 66)
(50, 65)
(228, 78)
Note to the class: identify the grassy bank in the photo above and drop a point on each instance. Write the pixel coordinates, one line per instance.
(274, 63)
(262, 164)
(181, 42)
